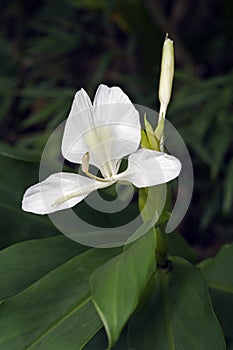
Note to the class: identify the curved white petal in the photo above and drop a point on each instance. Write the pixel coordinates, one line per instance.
(108, 130)
(106, 95)
(149, 168)
(59, 191)
(80, 120)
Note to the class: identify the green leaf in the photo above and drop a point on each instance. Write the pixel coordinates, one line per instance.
(144, 139)
(56, 312)
(42, 114)
(15, 224)
(152, 200)
(153, 142)
(24, 263)
(100, 341)
(117, 285)
(159, 131)
(89, 4)
(19, 153)
(178, 246)
(218, 272)
(219, 146)
(228, 189)
(178, 315)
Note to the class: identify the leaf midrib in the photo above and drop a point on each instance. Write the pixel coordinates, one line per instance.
(59, 321)
(219, 287)
(171, 340)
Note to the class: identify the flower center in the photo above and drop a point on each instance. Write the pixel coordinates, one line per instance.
(85, 169)
(98, 140)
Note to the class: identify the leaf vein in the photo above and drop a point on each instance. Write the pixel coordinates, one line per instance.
(219, 287)
(58, 322)
(167, 312)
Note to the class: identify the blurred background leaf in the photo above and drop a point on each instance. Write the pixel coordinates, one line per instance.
(218, 272)
(15, 176)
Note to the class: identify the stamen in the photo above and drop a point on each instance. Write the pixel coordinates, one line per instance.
(85, 162)
(71, 195)
(66, 198)
(85, 169)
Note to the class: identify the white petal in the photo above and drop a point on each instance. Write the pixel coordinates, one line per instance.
(109, 130)
(149, 168)
(59, 191)
(80, 120)
(106, 95)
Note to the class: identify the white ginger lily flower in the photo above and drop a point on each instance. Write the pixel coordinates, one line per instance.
(101, 134)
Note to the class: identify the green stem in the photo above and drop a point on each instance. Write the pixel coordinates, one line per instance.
(161, 247)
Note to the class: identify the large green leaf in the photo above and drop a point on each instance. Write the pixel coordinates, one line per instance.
(56, 312)
(15, 224)
(178, 315)
(100, 341)
(218, 272)
(178, 246)
(117, 285)
(26, 262)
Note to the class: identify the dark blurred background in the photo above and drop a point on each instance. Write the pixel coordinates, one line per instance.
(50, 49)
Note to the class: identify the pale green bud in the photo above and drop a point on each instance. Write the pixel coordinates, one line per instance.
(166, 76)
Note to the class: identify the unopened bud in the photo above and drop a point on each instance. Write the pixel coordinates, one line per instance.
(166, 76)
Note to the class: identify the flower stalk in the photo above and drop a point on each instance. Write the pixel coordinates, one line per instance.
(161, 248)
(154, 140)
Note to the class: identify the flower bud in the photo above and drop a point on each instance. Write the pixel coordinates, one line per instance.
(166, 76)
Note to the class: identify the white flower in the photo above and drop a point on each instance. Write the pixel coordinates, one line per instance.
(101, 134)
